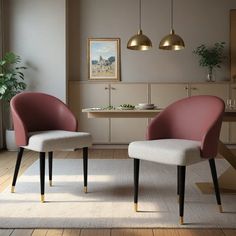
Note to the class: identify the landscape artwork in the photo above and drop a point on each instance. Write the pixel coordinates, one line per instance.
(103, 59)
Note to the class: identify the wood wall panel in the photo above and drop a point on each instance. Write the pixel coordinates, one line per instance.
(233, 45)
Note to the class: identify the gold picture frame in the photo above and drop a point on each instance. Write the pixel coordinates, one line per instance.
(104, 59)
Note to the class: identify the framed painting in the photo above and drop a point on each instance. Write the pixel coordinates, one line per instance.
(104, 59)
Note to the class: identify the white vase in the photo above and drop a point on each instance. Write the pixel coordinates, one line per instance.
(211, 76)
(10, 140)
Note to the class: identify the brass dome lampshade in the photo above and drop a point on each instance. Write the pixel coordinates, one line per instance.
(139, 41)
(172, 41)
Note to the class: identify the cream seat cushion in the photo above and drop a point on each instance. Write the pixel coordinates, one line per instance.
(167, 151)
(55, 140)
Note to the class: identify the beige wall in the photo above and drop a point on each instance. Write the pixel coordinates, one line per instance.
(197, 21)
(37, 32)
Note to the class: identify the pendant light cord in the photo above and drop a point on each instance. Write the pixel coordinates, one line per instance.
(140, 15)
(171, 15)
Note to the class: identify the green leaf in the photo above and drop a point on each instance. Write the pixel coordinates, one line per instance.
(210, 56)
(21, 68)
(12, 58)
(20, 73)
(3, 89)
(11, 77)
(2, 62)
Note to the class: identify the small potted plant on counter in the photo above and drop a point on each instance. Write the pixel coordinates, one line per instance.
(11, 83)
(210, 57)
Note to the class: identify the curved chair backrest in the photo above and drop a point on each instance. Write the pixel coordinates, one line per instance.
(194, 118)
(33, 112)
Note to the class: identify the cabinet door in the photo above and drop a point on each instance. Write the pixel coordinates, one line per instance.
(164, 94)
(232, 132)
(90, 95)
(125, 130)
(220, 90)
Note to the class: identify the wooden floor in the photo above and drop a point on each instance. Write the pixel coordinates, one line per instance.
(7, 163)
(117, 232)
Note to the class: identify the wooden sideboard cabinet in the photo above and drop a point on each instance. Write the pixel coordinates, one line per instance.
(90, 95)
(117, 131)
(232, 131)
(124, 130)
(164, 94)
(127, 130)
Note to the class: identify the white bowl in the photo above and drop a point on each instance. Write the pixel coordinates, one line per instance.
(145, 104)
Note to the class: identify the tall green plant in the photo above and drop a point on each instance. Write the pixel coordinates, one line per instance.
(210, 57)
(11, 76)
(11, 80)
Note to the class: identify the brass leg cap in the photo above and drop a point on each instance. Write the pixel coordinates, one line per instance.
(42, 198)
(220, 208)
(135, 207)
(181, 220)
(12, 189)
(50, 183)
(85, 189)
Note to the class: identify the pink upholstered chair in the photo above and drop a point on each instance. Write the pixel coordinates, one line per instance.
(44, 124)
(186, 132)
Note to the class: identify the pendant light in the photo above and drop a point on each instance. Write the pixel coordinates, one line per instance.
(139, 41)
(172, 41)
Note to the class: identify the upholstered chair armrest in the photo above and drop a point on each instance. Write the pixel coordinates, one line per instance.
(66, 120)
(21, 132)
(157, 129)
(208, 143)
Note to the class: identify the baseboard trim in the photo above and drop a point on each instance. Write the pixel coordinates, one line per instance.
(125, 146)
(231, 146)
(109, 146)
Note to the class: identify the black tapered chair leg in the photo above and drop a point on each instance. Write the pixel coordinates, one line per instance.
(215, 182)
(136, 182)
(50, 157)
(17, 167)
(42, 174)
(178, 173)
(182, 172)
(85, 166)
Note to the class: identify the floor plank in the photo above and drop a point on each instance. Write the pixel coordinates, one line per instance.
(131, 232)
(107, 154)
(74, 155)
(8, 161)
(40, 232)
(200, 232)
(97, 232)
(121, 154)
(28, 159)
(54, 232)
(5, 232)
(71, 232)
(165, 232)
(229, 232)
(22, 232)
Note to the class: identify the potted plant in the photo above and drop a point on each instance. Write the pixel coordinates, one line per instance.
(11, 83)
(210, 57)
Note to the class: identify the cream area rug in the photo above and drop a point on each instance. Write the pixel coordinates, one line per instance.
(109, 202)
